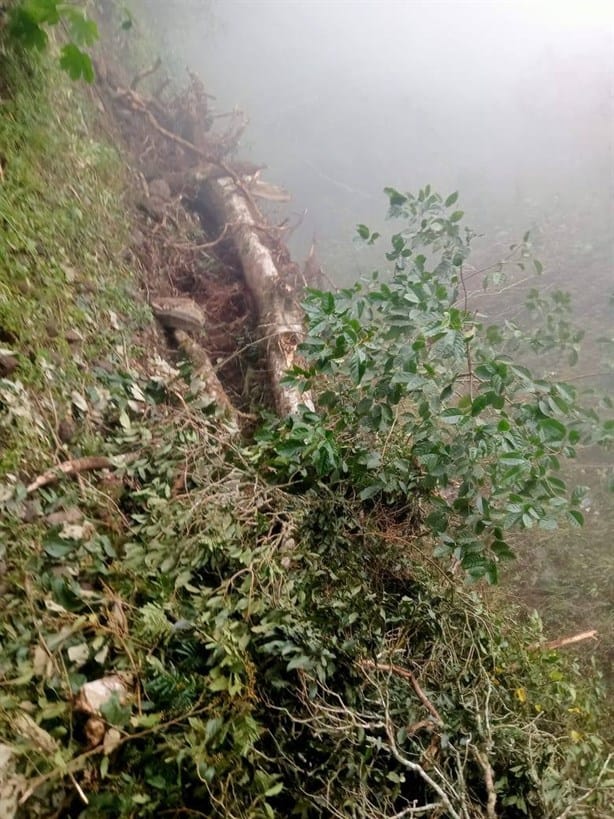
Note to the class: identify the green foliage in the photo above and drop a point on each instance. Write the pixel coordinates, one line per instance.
(28, 23)
(273, 636)
(59, 278)
(285, 651)
(420, 405)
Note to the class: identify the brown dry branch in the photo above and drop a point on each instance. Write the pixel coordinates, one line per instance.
(421, 725)
(78, 465)
(408, 675)
(140, 104)
(561, 642)
(263, 265)
(202, 246)
(145, 72)
(205, 371)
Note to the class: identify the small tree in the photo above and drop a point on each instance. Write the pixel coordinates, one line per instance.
(421, 404)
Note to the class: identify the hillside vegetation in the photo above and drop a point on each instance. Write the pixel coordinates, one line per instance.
(218, 613)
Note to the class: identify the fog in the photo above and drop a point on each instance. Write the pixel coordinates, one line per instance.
(510, 102)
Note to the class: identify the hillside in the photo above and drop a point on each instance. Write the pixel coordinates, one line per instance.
(232, 592)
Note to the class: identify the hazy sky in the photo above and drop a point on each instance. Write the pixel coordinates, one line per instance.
(512, 102)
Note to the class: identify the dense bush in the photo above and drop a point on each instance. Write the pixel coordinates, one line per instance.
(420, 403)
(295, 650)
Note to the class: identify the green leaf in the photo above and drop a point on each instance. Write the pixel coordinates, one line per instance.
(576, 517)
(502, 550)
(552, 429)
(538, 266)
(24, 28)
(114, 712)
(451, 416)
(512, 459)
(76, 63)
(363, 231)
(43, 11)
(275, 789)
(370, 491)
(82, 30)
(457, 216)
(301, 661)
(395, 197)
(491, 573)
(451, 199)
(56, 546)
(213, 727)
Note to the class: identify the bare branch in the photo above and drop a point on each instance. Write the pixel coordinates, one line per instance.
(145, 72)
(408, 675)
(74, 467)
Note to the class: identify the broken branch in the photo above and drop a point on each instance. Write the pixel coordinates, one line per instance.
(146, 72)
(567, 641)
(77, 465)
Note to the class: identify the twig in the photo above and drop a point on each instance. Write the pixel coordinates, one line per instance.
(588, 375)
(408, 675)
(162, 86)
(468, 342)
(423, 724)
(205, 246)
(146, 72)
(418, 769)
(416, 810)
(219, 364)
(76, 466)
(232, 113)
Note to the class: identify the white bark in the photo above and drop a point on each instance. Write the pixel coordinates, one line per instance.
(279, 318)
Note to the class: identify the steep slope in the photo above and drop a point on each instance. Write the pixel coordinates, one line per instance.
(197, 621)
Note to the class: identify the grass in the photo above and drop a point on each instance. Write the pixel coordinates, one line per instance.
(62, 282)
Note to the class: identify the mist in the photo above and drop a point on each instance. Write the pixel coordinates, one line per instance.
(512, 103)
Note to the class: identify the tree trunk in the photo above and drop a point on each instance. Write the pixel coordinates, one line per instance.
(280, 319)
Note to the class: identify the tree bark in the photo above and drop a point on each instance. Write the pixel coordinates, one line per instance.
(280, 319)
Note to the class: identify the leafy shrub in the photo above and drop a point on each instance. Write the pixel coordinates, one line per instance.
(28, 23)
(419, 403)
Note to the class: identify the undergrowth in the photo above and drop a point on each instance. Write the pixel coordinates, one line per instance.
(66, 300)
(276, 650)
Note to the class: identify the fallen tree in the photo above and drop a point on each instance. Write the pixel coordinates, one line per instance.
(222, 192)
(268, 273)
